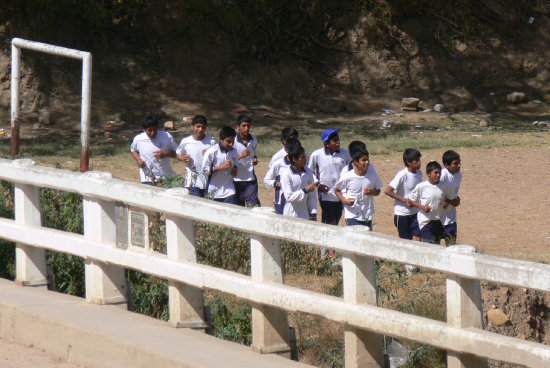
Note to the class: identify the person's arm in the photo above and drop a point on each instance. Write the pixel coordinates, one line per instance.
(135, 155)
(413, 199)
(390, 191)
(270, 178)
(162, 154)
(344, 200)
(225, 165)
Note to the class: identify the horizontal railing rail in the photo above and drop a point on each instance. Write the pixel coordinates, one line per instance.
(264, 289)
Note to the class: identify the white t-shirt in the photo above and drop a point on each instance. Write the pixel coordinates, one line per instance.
(298, 203)
(352, 186)
(221, 181)
(277, 156)
(195, 148)
(146, 148)
(273, 176)
(328, 167)
(404, 183)
(431, 195)
(453, 182)
(245, 168)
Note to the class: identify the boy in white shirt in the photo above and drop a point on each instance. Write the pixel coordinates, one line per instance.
(246, 183)
(431, 198)
(451, 177)
(272, 178)
(191, 151)
(327, 163)
(220, 165)
(152, 150)
(399, 189)
(298, 184)
(286, 133)
(357, 188)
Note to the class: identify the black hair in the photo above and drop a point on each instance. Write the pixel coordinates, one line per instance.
(227, 131)
(431, 166)
(331, 137)
(292, 143)
(148, 121)
(199, 119)
(287, 133)
(356, 145)
(410, 154)
(243, 118)
(449, 156)
(295, 153)
(358, 153)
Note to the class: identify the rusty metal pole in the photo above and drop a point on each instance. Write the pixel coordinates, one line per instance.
(85, 112)
(15, 76)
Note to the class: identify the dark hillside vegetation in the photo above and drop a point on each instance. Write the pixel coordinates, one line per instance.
(287, 54)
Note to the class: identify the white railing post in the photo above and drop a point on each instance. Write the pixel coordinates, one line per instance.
(30, 264)
(186, 303)
(362, 348)
(105, 284)
(464, 309)
(270, 330)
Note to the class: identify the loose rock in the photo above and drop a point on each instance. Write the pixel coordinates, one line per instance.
(497, 316)
(515, 97)
(439, 107)
(410, 103)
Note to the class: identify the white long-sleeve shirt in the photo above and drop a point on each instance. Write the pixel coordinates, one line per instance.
(273, 177)
(298, 202)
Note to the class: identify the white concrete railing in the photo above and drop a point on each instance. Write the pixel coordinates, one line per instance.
(462, 336)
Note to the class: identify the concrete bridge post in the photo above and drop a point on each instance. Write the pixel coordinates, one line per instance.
(105, 284)
(362, 348)
(464, 309)
(270, 332)
(185, 302)
(30, 261)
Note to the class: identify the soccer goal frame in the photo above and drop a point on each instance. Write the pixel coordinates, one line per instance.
(16, 45)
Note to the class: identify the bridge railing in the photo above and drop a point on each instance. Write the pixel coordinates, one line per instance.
(462, 336)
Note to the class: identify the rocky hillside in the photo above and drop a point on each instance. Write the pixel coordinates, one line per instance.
(175, 57)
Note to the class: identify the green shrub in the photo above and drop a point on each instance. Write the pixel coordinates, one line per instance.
(305, 259)
(149, 294)
(231, 324)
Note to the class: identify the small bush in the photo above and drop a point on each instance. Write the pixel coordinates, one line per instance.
(231, 324)
(149, 295)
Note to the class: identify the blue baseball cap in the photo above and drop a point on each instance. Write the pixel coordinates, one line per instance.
(327, 133)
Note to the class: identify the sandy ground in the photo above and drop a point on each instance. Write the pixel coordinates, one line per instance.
(14, 355)
(504, 199)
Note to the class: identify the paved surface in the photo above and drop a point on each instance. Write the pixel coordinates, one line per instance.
(14, 355)
(103, 336)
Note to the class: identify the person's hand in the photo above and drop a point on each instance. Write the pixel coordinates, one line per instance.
(311, 186)
(368, 191)
(445, 204)
(187, 158)
(408, 202)
(245, 153)
(425, 208)
(255, 161)
(226, 165)
(141, 163)
(323, 188)
(348, 201)
(160, 154)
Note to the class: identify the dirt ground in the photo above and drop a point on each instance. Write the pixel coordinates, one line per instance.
(501, 211)
(14, 355)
